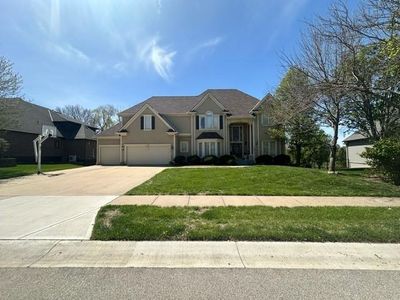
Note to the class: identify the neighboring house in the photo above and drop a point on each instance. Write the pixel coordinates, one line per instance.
(74, 141)
(355, 145)
(217, 122)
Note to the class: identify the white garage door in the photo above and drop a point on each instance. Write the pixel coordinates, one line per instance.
(354, 157)
(148, 154)
(109, 155)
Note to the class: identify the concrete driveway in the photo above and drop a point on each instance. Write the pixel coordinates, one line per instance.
(88, 181)
(63, 204)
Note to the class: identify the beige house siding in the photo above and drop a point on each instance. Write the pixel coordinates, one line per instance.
(180, 123)
(108, 141)
(180, 139)
(354, 160)
(136, 135)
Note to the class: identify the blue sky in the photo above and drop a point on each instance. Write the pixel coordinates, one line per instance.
(93, 52)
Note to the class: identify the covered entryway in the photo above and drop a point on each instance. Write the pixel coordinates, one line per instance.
(148, 154)
(109, 155)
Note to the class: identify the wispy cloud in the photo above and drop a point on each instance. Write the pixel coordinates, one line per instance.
(67, 51)
(159, 57)
(203, 47)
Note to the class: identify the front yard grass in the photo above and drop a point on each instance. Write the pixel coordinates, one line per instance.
(29, 169)
(254, 223)
(264, 180)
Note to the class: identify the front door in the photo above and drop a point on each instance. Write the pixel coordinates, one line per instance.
(237, 149)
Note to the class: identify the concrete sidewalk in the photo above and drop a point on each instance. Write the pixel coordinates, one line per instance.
(288, 201)
(43, 254)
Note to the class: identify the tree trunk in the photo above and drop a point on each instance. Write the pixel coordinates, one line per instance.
(333, 149)
(298, 154)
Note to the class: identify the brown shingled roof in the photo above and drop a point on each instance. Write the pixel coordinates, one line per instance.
(237, 102)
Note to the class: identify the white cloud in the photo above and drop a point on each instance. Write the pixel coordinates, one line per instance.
(204, 47)
(67, 51)
(160, 58)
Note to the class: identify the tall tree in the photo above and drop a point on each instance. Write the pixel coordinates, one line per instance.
(292, 111)
(105, 116)
(10, 86)
(371, 38)
(319, 60)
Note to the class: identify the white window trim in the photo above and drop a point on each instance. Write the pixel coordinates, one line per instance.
(265, 120)
(214, 117)
(217, 147)
(184, 143)
(266, 146)
(144, 122)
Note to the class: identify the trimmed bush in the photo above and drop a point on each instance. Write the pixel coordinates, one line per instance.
(8, 162)
(179, 160)
(264, 160)
(227, 160)
(194, 160)
(282, 160)
(384, 157)
(210, 160)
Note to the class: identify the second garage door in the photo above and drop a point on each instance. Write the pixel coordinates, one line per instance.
(109, 155)
(148, 154)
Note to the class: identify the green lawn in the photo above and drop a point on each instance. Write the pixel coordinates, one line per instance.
(264, 180)
(255, 223)
(28, 169)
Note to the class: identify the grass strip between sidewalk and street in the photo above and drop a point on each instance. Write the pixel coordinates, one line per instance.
(264, 180)
(253, 223)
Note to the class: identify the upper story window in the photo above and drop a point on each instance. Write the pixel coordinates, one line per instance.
(147, 122)
(209, 121)
(266, 120)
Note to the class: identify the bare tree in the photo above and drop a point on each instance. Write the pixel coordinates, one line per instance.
(371, 38)
(10, 85)
(10, 81)
(105, 116)
(77, 112)
(319, 60)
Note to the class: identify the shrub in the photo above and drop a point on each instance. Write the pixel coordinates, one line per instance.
(194, 160)
(210, 160)
(264, 160)
(282, 160)
(179, 160)
(227, 160)
(384, 157)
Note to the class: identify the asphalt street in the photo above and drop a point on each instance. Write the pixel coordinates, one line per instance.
(146, 283)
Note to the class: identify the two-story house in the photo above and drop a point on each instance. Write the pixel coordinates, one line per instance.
(217, 122)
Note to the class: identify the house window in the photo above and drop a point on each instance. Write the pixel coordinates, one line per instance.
(236, 133)
(208, 147)
(266, 120)
(209, 121)
(269, 147)
(147, 122)
(184, 146)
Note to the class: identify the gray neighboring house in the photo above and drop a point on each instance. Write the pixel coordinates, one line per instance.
(355, 145)
(74, 142)
(217, 122)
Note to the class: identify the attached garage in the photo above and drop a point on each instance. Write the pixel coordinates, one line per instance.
(109, 154)
(147, 154)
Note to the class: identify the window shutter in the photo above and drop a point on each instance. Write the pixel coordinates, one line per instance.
(221, 122)
(197, 122)
(153, 122)
(141, 122)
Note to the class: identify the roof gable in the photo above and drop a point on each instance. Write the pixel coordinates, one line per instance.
(233, 100)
